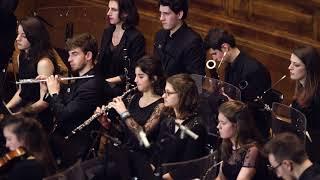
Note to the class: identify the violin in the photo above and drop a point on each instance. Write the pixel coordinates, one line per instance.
(11, 155)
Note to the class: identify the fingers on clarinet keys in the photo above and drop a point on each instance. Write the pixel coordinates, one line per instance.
(103, 119)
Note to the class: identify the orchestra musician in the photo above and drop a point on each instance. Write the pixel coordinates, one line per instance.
(74, 105)
(36, 57)
(179, 48)
(240, 145)
(180, 101)
(288, 158)
(141, 114)
(304, 69)
(242, 71)
(33, 159)
(121, 45)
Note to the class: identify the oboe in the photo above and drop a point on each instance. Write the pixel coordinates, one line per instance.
(96, 115)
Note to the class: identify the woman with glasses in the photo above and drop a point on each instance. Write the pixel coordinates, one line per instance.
(180, 101)
(304, 70)
(141, 114)
(240, 144)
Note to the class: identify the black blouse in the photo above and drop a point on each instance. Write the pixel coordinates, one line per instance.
(28, 70)
(111, 60)
(177, 149)
(249, 158)
(141, 115)
(174, 149)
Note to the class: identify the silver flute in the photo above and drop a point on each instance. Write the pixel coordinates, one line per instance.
(29, 81)
(96, 115)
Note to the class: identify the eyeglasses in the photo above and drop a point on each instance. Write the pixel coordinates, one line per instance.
(270, 167)
(168, 93)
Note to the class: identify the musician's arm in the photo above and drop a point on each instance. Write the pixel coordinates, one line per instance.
(151, 123)
(114, 80)
(45, 67)
(15, 100)
(220, 175)
(86, 101)
(154, 119)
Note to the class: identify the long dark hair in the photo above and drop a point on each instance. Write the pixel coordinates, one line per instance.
(246, 132)
(30, 132)
(39, 39)
(187, 91)
(128, 13)
(310, 58)
(152, 68)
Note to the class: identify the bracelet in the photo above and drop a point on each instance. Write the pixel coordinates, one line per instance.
(125, 115)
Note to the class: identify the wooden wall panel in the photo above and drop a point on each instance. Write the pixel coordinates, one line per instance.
(25, 7)
(86, 16)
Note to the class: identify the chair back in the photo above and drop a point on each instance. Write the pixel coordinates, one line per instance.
(196, 168)
(288, 119)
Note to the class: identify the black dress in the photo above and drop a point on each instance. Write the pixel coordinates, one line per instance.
(141, 115)
(175, 149)
(130, 159)
(112, 59)
(249, 158)
(28, 70)
(30, 93)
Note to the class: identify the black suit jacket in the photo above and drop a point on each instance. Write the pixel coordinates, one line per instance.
(78, 103)
(183, 52)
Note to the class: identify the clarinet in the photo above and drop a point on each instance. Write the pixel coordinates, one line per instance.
(126, 68)
(96, 115)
